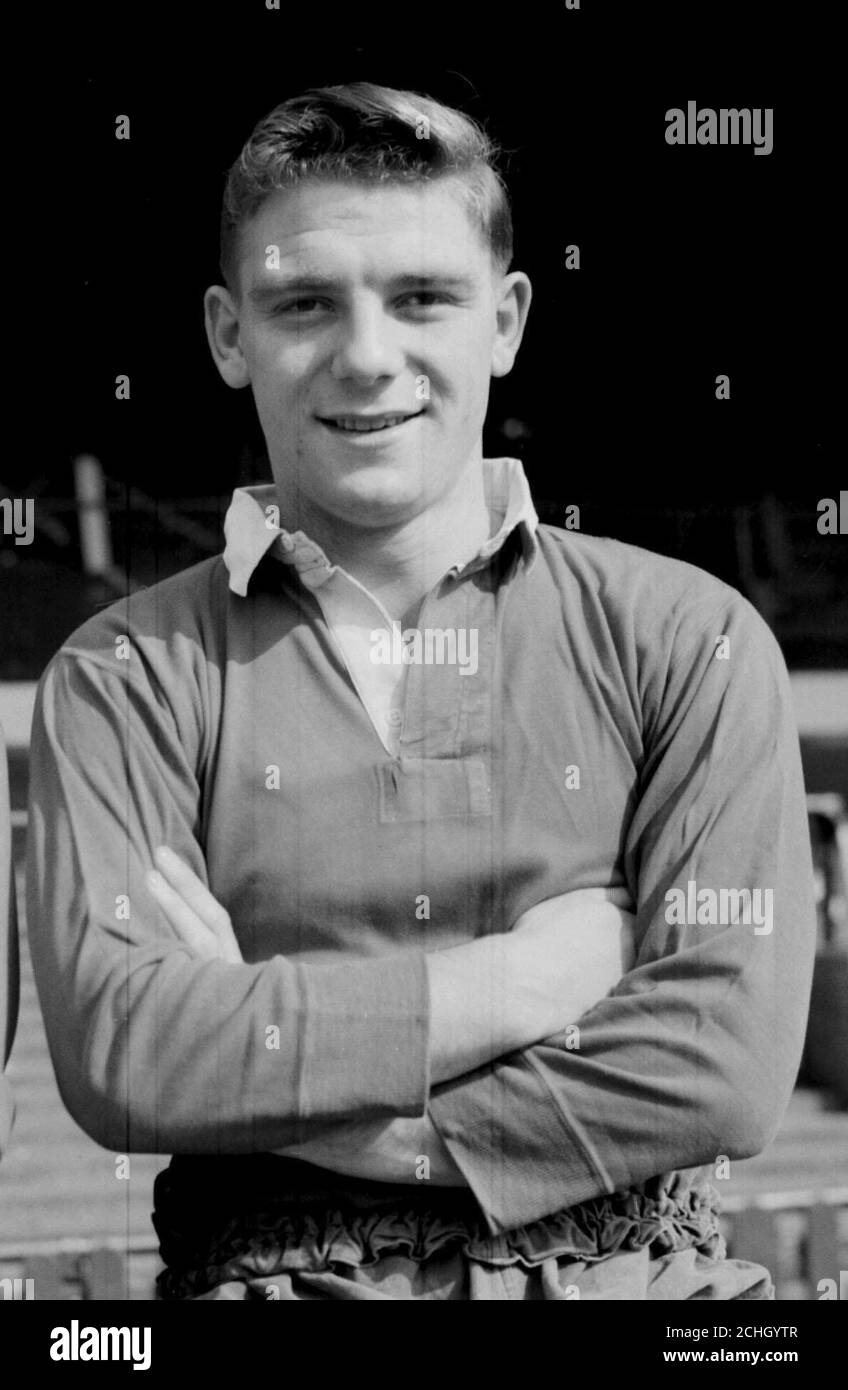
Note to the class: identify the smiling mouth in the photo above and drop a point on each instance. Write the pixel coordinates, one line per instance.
(368, 424)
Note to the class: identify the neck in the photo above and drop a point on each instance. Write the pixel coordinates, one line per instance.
(401, 563)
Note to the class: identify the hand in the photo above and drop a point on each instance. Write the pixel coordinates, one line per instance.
(383, 1151)
(569, 951)
(198, 919)
(615, 921)
(501, 993)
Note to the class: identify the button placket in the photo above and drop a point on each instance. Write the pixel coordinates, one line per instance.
(433, 694)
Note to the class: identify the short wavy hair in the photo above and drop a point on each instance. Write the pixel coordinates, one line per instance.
(363, 132)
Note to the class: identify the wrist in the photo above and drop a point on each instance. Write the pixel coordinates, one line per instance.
(470, 1020)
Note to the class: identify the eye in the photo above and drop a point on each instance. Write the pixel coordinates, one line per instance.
(426, 299)
(307, 304)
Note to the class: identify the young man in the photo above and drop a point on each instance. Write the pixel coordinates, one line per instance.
(341, 843)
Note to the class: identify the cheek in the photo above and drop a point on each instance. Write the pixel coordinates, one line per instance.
(473, 381)
(279, 367)
(464, 376)
(472, 355)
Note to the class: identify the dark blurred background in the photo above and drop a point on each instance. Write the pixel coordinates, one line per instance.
(694, 262)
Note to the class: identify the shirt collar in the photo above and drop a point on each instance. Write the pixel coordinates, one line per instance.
(252, 529)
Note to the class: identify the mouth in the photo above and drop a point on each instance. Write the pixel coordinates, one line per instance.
(369, 424)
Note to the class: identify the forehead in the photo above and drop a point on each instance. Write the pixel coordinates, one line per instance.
(341, 227)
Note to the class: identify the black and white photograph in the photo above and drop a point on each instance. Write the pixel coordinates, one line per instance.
(424, 677)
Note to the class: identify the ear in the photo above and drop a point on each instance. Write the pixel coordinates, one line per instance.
(222, 330)
(514, 298)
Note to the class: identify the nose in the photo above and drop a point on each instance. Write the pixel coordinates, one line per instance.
(367, 348)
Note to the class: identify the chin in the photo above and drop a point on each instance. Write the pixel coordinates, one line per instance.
(378, 508)
(380, 487)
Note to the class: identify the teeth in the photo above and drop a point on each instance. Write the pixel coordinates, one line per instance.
(360, 426)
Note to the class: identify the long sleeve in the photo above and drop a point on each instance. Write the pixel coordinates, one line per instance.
(695, 1052)
(154, 1050)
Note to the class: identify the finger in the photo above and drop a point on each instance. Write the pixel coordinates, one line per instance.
(187, 925)
(620, 897)
(178, 874)
(196, 896)
(195, 893)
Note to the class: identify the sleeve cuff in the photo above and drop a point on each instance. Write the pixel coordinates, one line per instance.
(520, 1155)
(365, 1041)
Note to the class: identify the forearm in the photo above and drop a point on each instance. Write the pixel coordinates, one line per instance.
(695, 1052)
(488, 998)
(155, 1049)
(469, 1024)
(400, 1151)
(501, 993)
(179, 1056)
(694, 1058)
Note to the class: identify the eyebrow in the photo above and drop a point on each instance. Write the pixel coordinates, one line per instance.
(266, 291)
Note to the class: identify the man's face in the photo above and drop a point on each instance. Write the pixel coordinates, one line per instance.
(383, 310)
